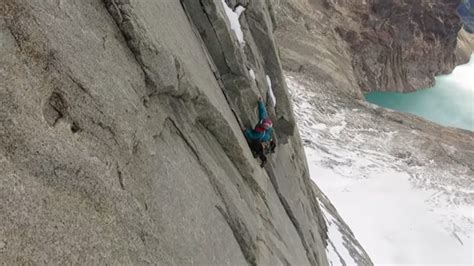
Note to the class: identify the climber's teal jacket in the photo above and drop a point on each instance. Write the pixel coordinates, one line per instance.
(259, 133)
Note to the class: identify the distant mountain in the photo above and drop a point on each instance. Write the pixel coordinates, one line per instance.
(466, 11)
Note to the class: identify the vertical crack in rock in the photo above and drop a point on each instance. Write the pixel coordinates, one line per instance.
(225, 57)
(208, 113)
(156, 63)
(223, 66)
(213, 59)
(287, 208)
(120, 177)
(312, 259)
(210, 60)
(230, 212)
(241, 235)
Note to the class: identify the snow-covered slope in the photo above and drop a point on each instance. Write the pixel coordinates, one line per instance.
(343, 248)
(406, 195)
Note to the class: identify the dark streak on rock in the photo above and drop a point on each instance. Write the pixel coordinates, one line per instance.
(238, 227)
(291, 216)
(120, 178)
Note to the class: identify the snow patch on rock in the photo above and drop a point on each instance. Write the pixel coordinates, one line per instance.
(270, 91)
(233, 17)
(337, 251)
(252, 74)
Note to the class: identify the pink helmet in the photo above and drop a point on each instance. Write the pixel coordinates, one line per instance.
(267, 123)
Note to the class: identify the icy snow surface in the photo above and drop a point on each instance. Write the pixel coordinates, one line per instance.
(402, 209)
(336, 251)
(270, 91)
(252, 74)
(233, 17)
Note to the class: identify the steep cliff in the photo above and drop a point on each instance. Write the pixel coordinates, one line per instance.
(465, 47)
(356, 146)
(393, 45)
(120, 143)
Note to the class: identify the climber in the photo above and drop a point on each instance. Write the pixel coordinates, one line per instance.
(260, 138)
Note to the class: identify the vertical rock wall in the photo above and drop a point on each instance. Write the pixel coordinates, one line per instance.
(119, 142)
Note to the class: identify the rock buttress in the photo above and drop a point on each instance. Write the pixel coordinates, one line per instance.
(119, 142)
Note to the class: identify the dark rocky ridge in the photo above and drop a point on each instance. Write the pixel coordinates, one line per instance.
(393, 45)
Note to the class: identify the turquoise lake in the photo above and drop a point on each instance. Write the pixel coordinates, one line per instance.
(450, 102)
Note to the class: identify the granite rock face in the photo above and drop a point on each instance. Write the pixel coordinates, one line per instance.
(119, 142)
